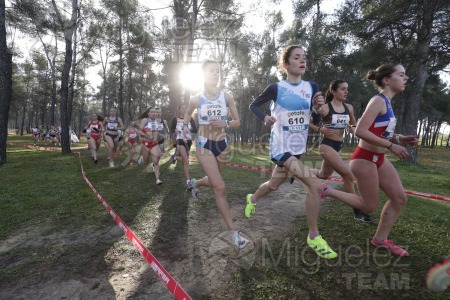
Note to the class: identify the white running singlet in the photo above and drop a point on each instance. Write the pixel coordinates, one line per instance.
(292, 109)
(209, 110)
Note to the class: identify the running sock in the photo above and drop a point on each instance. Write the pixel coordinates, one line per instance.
(233, 234)
(326, 189)
(313, 234)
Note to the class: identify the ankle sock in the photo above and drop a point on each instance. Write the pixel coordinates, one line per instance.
(313, 234)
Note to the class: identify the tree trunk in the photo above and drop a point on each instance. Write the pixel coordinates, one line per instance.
(5, 84)
(52, 64)
(16, 123)
(73, 77)
(426, 134)
(420, 128)
(419, 75)
(68, 35)
(80, 120)
(22, 124)
(121, 71)
(54, 94)
(128, 115)
(436, 133)
(104, 77)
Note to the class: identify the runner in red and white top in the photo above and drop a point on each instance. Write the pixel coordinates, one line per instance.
(149, 131)
(131, 136)
(368, 163)
(93, 132)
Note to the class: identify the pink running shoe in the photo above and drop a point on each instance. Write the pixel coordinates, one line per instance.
(323, 195)
(390, 246)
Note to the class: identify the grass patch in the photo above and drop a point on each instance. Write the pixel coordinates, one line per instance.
(289, 270)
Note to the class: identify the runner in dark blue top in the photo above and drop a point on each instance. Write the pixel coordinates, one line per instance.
(336, 117)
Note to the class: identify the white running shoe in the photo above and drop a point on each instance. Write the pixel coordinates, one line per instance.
(438, 277)
(188, 184)
(158, 181)
(140, 160)
(194, 189)
(111, 164)
(238, 241)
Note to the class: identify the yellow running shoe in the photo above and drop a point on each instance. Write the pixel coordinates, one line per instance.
(321, 247)
(250, 208)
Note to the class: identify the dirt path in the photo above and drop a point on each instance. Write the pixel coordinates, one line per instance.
(197, 254)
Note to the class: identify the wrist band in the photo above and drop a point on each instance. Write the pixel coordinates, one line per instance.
(390, 146)
(397, 138)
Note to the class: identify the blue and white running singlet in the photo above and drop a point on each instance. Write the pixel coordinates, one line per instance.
(292, 111)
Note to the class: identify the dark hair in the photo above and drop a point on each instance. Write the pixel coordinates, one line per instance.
(208, 62)
(284, 57)
(133, 124)
(334, 85)
(145, 113)
(99, 118)
(383, 71)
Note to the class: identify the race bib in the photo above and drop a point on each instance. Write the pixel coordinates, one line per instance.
(209, 112)
(133, 135)
(112, 126)
(340, 121)
(389, 132)
(294, 121)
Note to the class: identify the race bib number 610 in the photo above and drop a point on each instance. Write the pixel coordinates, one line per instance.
(297, 120)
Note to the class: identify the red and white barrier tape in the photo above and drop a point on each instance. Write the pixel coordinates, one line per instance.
(409, 192)
(170, 282)
(338, 179)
